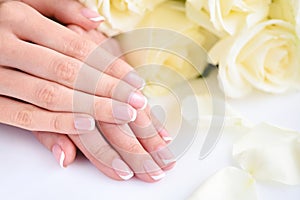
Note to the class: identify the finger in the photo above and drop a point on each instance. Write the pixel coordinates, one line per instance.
(61, 146)
(32, 118)
(54, 97)
(133, 153)
(109, 44)
(92, 35)
(159, 126)
(72, 73)
(68, 12)
(65, 41)
(152, 140)
(102, 155)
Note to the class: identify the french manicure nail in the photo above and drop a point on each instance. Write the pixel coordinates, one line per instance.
(124, 113)
(165, 135)
(135, 80)
(153, 170)
(138, 101)
(97, 19)
(165, 155)
(84, 123)
(121, 168)
(59, 154)
(92, 15)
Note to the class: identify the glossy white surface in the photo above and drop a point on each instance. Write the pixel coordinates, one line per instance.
(29, 171)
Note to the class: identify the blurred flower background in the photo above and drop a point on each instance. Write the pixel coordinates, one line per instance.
(254, 43)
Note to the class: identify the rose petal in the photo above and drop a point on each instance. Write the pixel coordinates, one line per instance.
(123, 15)
(227, 17)
(270, 153)
(228, 184)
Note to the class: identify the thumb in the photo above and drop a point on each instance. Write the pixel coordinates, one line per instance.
(68, 12)
(60, 145)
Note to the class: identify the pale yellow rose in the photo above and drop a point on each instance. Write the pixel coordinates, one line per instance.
(288, 10)
(121, 15)
(265, 57)
(171, 16)
(227, 17)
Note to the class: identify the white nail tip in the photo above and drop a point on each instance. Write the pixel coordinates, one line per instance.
(145, 105)
(62, 159)
(122, 169)
(167, 139)
(158, 177)
(134, 115)
(143, 86)
(127, 177)
(167, 162)
(93, 124)
(97, 19)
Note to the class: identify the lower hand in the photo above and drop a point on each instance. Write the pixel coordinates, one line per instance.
(123, 150)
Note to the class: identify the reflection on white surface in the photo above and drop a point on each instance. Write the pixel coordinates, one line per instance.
(29, 171)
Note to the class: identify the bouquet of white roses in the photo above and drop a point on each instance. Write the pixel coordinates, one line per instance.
(254, 43)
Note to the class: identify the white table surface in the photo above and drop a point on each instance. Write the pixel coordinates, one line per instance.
(29, 171)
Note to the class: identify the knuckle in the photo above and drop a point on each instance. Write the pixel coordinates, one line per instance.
(107, 87)
(23, 118)
(77, 47)
(6, 6)
(134, 148)
(9, 7)
(65, 70)
(56, 123)
(104, 149)
(103, 109)
(61, 123)
(114, 68)
(48, 96)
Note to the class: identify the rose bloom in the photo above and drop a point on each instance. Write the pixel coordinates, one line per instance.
(265, 57)
(227, 17)
(288, 10)
(170, 16)
(120, 15)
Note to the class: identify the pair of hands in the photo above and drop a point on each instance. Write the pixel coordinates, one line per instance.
(41, 61)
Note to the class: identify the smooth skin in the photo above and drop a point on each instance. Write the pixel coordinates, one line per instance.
(40, 61)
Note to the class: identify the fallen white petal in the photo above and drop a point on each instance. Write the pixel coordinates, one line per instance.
(228, 184)
(270, 154)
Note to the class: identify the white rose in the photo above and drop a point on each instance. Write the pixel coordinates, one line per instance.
(227, 17)
(121, 15)
(288, 10)
(171, 16)
(265, 57)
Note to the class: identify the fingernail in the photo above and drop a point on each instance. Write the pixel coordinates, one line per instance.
(153, 170)
(92, 15)
(124, 113)
(165, 135)
(165, 155)
(122, 169)
(84, 123)
(59, 154)
(135, 80)
(138, 101)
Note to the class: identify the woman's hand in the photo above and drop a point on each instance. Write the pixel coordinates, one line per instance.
(142, 143)
(41, 61)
